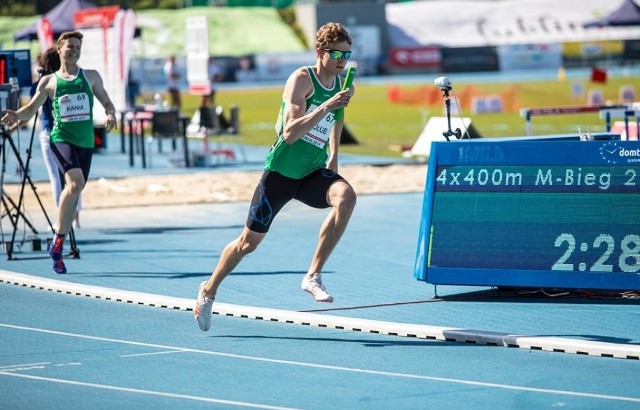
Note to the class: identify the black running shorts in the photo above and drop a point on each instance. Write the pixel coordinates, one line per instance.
(69, 156)
(275, 190)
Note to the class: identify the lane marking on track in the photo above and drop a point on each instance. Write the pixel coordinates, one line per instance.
(152, 353)
(23, 366)
(319, 366)
(145, 392)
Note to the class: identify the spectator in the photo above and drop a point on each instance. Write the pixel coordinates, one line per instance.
(245, 73)
(133, 90)
(215, 76)
(172, 75)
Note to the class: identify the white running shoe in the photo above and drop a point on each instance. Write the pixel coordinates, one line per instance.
(203, 309)
(315, 288)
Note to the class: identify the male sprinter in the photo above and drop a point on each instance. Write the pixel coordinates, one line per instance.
(302, 164)
(71, 90)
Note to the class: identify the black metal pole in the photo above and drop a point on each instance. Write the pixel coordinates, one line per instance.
(447, 103)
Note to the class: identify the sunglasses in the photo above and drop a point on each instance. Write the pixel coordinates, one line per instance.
(337, 54)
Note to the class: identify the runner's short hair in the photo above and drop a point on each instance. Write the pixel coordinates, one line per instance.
(331, 33)
(69, 34)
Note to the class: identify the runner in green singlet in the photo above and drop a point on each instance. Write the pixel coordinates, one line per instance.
(310, 152)
(72, 141)
(302, 164)
(72, 111)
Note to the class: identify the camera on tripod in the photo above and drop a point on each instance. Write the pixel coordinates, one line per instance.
(9, 97)
(444, 84)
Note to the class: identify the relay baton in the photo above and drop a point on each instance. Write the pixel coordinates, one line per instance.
(351, 73)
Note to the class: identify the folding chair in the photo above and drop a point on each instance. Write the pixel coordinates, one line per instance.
(166, 124)
(213, 124)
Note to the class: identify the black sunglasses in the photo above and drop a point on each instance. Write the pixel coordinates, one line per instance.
(337, 54)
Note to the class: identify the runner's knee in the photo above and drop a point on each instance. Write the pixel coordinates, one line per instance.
(74, 182)
(249, 241)
(246, 247)
(343, 197)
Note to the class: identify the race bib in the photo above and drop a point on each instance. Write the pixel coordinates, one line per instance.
(74, 107)
(320, 133)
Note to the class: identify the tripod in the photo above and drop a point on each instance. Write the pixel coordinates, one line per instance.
(11, 205)
(447, 102)
(13, 209)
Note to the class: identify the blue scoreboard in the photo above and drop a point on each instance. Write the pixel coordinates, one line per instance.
(526, 213)
(16, 63)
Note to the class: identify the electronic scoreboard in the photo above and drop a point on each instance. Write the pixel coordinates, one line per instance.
(532, 213)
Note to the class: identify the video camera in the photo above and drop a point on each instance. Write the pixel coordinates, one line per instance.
(442, 83)
(9, 97)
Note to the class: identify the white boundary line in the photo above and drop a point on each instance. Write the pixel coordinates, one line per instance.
(412, 376)
(146, 392)
(480, 337)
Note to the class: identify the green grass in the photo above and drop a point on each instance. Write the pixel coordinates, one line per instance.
(378, 123)
(232, 31)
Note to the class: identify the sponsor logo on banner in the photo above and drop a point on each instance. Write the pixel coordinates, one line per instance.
(612, 153)
(413, 57)
(95, 17)
(200, 89)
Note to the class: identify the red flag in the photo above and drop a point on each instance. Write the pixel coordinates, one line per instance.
(45, 34)
(598, 75)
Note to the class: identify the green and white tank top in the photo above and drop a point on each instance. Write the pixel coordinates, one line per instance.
(73, 111)
(311, 151)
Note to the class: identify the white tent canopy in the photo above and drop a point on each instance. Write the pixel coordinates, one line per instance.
(465, 23)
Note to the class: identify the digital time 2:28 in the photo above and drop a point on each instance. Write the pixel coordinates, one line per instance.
(628, 261)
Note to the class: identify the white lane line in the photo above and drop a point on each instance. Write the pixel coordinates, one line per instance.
(152, 353)
(24, 366)
(337, 368)
(147, 392)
